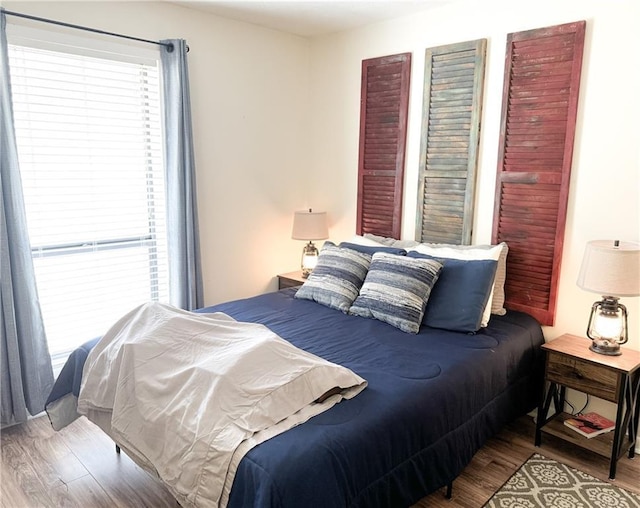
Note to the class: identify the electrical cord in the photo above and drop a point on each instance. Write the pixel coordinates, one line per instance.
(585, 405)
(573, 411)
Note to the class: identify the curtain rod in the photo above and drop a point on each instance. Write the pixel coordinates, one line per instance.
(168, 45)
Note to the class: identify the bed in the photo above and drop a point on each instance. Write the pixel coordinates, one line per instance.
(433, 398)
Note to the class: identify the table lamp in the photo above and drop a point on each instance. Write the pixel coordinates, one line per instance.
(612, 269)
(309, 225)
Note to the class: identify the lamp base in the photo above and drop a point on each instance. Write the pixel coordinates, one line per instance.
(309, 259)
(605, 347)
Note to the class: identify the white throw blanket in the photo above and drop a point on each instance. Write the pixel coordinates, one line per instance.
(186, 390)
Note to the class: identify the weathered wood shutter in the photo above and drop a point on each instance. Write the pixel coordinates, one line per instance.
(451, 112)
(384, 105)
(539, 108)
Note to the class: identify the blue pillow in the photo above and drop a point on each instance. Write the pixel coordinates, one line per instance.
(372, 249)
(396, 290)
(337, 278)
(461, 294)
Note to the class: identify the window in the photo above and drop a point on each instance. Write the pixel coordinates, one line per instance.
(88, 128)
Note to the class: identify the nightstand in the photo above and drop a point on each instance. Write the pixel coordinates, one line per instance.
(570, 364)
(291, 280)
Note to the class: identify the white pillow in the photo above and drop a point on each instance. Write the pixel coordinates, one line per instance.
(465, 254)
(368, 242)
(391, 242)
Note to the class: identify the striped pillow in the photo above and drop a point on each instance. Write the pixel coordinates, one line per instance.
(337, 278)
(396, 290)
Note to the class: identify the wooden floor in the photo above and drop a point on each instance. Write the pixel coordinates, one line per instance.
(78, 467)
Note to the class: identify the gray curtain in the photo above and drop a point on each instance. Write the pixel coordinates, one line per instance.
(185, 275)
(27, 376)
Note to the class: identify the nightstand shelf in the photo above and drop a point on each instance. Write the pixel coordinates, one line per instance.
(570, 364)
(600, 444)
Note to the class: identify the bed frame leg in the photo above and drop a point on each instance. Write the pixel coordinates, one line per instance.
(449, 489)
(117, 449)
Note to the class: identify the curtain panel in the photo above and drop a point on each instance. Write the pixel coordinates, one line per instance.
(185, 274)
(25, 364)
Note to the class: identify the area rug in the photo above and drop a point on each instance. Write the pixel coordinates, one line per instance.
(542, 482)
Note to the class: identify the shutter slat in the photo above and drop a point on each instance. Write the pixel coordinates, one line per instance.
(539, 109)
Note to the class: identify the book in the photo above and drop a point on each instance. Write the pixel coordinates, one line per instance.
(590, 424)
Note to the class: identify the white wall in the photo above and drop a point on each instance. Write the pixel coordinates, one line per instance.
(605, 183)
(249, 93)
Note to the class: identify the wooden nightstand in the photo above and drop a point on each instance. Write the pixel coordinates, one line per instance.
(570, 364)
(290, 280)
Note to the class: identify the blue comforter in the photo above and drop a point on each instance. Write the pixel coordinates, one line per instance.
(432, 401)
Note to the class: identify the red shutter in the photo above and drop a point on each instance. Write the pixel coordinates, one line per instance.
(384, 105)
(539, 108)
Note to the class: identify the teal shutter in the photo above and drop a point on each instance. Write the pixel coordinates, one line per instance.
(451, 113)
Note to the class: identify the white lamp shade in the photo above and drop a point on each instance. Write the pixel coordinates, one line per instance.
(610, 269)
(308, 225)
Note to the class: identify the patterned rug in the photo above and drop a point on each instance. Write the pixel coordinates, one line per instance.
(545, 483)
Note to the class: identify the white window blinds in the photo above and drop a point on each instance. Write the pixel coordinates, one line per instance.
(89, 141)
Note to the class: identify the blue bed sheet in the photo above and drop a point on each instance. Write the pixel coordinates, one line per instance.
(432, 401)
